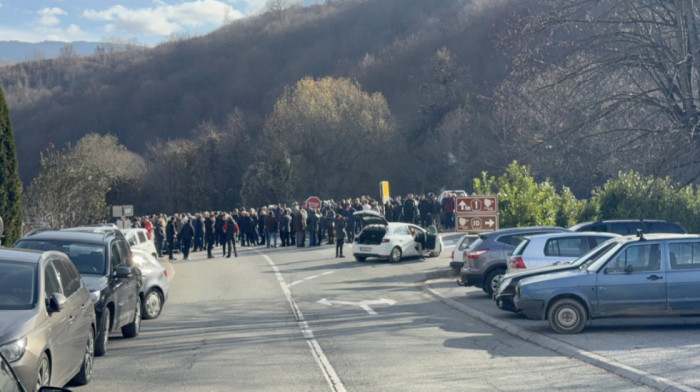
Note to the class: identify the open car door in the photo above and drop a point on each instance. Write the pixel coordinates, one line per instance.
(433, 246)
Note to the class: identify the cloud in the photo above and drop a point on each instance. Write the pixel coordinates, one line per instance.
(49, 16)
(163, 19)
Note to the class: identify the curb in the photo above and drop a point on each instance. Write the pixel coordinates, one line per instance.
(635, 375)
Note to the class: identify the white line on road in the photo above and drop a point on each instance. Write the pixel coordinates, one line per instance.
(316, 350)
(310, 277)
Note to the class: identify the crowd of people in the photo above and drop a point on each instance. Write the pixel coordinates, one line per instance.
(285, 226)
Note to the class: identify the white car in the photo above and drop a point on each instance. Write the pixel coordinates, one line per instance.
(543, 250)
(393, 240)
(138, 239)
(154, 283)
(459, 253)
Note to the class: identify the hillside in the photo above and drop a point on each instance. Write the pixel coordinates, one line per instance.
(143, 95)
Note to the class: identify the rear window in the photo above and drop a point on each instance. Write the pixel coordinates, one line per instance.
(466, 242)
(684, 255)
(566, 247)
(521, 247)
(18, 283)
(88, 258)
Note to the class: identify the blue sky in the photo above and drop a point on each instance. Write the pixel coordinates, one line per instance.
(140, 21)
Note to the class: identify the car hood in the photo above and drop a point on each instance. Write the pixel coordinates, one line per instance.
(568, 278)
(95, 282)
(369, 217)
(16, 323)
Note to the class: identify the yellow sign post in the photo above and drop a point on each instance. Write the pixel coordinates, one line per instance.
(384, 191)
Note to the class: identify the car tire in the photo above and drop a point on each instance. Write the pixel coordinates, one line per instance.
(360, 258)
(132, 329)
(493, 279)
(103, 335)
(567, 316)
(43, 372)
(395, 255)
(152, 304)
(85, 374)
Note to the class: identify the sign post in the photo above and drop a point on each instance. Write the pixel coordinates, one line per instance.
(476, 214)
(384, 191)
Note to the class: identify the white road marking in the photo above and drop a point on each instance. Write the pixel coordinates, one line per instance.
(316, 350)
(362, 304)
(309, 278)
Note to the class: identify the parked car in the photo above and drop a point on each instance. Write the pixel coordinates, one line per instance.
(644, 275)
(459, 254)
(47, 321)
(506, 289)
(138, 239)
(487, 258)
(393, 240)
(630, 226)
(546, 249)
(10, 383)
(154, 283)
(104, 261)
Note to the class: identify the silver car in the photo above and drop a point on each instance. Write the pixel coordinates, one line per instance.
(154, 283)
(47, 321)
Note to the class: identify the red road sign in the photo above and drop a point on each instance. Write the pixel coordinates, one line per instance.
(477, 223)
(476, 204)
(312, 202)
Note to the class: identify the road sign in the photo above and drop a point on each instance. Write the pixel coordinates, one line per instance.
(384, 191)
(312, 202)
(477, 223)
(476, 204)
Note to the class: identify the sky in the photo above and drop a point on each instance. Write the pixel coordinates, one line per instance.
(146, 22)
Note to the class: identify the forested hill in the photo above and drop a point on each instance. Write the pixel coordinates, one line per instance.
(146, 95)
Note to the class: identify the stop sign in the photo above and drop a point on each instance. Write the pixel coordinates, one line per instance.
(312, 202)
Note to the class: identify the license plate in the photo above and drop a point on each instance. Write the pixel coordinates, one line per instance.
(365, 249)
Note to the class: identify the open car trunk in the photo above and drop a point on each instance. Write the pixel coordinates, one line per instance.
(371, 235)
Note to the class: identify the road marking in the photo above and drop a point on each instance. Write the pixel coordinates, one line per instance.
(316, 350)
(309, 278)
(362, 304)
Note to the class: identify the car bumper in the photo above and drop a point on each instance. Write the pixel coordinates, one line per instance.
(505, 302)
(466, 279)
(531, 308)
(456, 265)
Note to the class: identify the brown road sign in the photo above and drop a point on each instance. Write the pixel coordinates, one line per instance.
(477, 223)
(476, 204)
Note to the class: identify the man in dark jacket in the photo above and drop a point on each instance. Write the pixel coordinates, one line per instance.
(159, 234)
(230, 226)
(271, 228)
(186, 235)
(170, 232)
(209, 233)
(340, 235)
(409, 209)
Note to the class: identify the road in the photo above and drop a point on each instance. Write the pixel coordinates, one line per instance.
(299, 319)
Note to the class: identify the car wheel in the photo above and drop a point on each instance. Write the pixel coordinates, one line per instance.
(103, 335)
(493, 280)
(152, 304)
(43, 372)
(85, 374)
(360, 258)
(567, 316)
(395, 255)
(132, 329)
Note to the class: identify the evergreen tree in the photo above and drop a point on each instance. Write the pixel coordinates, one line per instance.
(10, 185)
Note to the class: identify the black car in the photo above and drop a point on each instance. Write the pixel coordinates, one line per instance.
(105, 264)
(631, 226)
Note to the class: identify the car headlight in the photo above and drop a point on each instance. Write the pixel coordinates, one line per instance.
(13, 351)
(95, 296)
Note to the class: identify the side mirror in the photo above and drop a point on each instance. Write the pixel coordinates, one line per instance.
(123, 272)
(57, 302)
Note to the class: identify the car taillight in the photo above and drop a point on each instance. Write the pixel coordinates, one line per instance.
(517, 262)
(165, 272)
(385, 240)
(474, 254)
(453, 255)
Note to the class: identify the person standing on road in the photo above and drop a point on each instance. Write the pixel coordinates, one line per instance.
(209, 234)
(271, 228)
(170, 232)
(186, 236)
(231, 231)
(159, 234)
(340, 235)
(409, 209)
(198, 232)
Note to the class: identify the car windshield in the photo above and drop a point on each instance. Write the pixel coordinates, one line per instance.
(18, 284)
(88, 258)
(595, 254)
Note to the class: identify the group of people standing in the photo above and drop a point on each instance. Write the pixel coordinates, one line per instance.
(280, 225)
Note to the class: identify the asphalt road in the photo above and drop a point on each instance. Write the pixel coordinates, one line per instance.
(299, 319)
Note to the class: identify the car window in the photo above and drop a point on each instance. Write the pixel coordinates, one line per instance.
(70, 280)
(637, 258)
(625, 228)
(125, 252)
(512, 239)
(17, 285)
(466, 242)
(88, 258)
(598, 240)
(114, 257)
(521, 247)
(566, 246)
(131, 238)
(52, 284)
(684, 255)
(664, 227)
(142, 236)
(403, 230)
